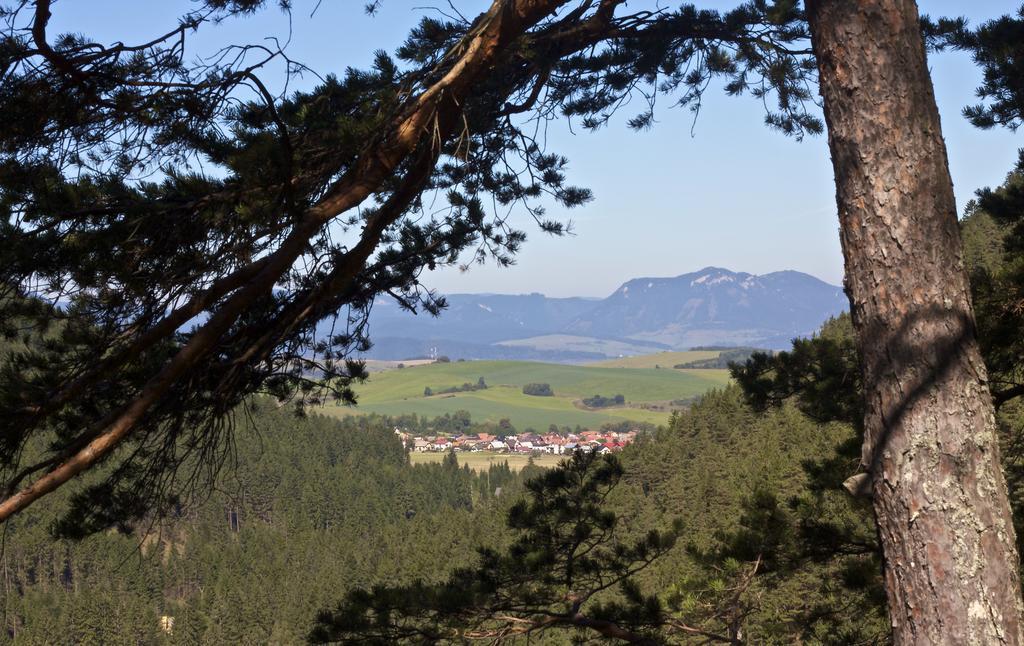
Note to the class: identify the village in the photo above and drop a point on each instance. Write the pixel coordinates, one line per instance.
(522, 443)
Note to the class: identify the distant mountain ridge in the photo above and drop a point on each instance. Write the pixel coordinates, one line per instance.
(711, 306)
(715, 306)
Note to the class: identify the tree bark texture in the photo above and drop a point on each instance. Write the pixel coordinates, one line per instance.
(951, 569)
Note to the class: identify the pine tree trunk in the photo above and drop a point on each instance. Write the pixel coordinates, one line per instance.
(930, 445)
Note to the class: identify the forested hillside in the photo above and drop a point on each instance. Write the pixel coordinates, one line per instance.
(196, 235)
(315, 507)
(310, 510)
(311, 507)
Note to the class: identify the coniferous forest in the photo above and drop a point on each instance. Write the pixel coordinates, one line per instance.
(190, 250)
(313, 509)
(760, 537)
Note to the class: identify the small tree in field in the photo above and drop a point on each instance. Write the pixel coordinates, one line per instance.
(538, 390)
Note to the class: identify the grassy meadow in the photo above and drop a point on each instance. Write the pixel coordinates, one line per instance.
(571, 342)
(400, 391)
(660, 359)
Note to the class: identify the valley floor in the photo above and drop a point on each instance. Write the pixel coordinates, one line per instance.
(401, 392)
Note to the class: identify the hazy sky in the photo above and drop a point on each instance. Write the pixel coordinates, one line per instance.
(723, 190)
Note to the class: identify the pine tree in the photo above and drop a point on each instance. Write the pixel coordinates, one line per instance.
(84, 120)
(569, 548)
(79, 114)
(930, 444)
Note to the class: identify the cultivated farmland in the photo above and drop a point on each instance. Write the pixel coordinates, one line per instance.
(396, 392)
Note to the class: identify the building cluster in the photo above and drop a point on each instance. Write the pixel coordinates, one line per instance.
(525, 443)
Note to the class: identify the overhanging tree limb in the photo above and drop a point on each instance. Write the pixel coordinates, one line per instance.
(137, 260)
(438, 104)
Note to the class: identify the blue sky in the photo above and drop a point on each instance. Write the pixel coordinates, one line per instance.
(724, 190)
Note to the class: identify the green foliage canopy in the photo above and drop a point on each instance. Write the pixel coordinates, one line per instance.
(189, 220)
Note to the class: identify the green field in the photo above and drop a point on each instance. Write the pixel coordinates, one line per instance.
(569, 342)
(396, 392)
(482, 460)
(660, 359)
(376, 365)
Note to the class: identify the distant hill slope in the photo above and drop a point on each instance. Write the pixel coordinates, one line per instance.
(712, 306)
(602, 348)
(666, 359)
(481, 318)
(400, 348)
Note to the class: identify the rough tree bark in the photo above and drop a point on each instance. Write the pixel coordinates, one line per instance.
(930, 445)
